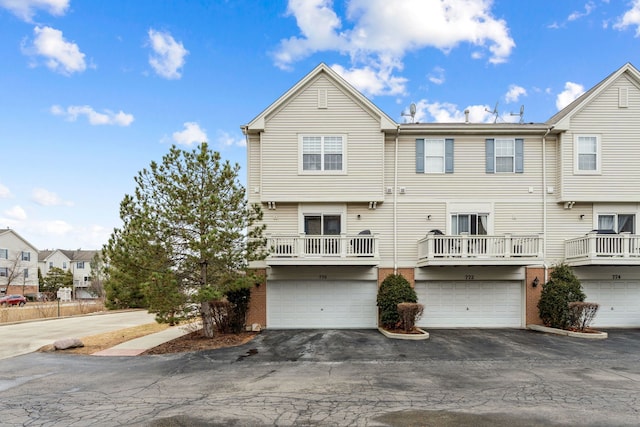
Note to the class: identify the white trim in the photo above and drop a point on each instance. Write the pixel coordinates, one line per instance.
(495, 154)
(576, 153)
(470, 208)
(444, 156)
(322, 209)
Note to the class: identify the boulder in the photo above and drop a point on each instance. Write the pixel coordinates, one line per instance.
(67, 343)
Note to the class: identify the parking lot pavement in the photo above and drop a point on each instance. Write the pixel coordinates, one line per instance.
(457, 377)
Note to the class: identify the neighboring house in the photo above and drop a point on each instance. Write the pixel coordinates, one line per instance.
(78, 262)
(473, 215)
(18, 264)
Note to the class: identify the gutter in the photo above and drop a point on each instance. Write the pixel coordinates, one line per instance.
(395, 204)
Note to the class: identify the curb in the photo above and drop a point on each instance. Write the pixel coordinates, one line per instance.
(591, 336)
(424, 335)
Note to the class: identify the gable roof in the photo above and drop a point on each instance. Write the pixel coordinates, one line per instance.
(258, 123)
(562, 119)
(9, 230)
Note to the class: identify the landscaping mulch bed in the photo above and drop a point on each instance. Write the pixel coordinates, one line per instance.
(195, 341)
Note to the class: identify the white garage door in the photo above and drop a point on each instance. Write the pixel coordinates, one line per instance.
(619, 302)
(490, 304)
(321, 304)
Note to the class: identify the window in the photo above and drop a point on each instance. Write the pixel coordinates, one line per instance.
(50, 264)
(620, 223)
(64, 264)
(4, 254)
(434, 155)
(322, 153)
(4, 272)
(587, 148)
(25, 273)
(473, 224)
(80, 265)
(26, 256)
(504, 155)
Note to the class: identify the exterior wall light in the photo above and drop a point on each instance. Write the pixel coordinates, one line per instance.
(535, 282)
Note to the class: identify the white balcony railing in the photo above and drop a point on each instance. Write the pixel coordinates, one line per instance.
(603, 248)
(313, 247)
(505, 249)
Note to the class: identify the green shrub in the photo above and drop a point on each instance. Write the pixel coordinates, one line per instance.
(394, 290)
(562, 289)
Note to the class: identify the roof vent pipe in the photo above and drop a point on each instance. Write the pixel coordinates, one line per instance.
(466, 116)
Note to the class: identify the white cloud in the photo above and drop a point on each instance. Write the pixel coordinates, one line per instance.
(630, 18)
(588, 8)
(47, 198)
(16, 213)
(374, 80)
(5, 193)
(192, 134)
(26, 9)
(445, 112)
(569, 94)
(514, 93)
(379, 35)
(437, 76)
(60, 55)
(227, 140)
(107, 117)
(168, 55)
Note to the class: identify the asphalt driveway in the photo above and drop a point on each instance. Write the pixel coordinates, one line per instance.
(334, 377)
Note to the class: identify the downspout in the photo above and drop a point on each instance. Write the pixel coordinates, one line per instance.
(544, 203)
(395, 204)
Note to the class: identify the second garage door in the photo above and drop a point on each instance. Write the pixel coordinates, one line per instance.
(473, 304)
(321, 304)
(619, 302)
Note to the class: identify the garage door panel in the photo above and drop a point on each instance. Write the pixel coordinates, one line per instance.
(321, 304)
(619, 302)
(470, 304)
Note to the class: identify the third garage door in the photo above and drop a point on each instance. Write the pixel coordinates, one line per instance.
(472, 304)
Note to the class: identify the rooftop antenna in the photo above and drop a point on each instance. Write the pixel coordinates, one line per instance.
(521, 114)
(411, 113)
(494, 112)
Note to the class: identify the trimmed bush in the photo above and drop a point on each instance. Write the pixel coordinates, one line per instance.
(582, 314)
(562, 289)
(409, 313)
(394, 290)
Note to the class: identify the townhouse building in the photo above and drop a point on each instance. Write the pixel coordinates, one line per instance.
(18, 264)
(474, 215)
(78, 262)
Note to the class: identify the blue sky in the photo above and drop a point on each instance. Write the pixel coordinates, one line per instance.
(92, 91)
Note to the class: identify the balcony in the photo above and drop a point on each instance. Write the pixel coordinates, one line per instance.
(437, 249)
(302, 249)
(603, 249)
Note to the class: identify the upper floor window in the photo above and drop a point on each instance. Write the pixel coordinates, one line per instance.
(504, 155)
(434, 156)
(26, 256)
(587, 154)
(620, 223)
(469, 223)
(4, 254)
(80, 265)
(322, 153)
(50, 264)
(64, 264)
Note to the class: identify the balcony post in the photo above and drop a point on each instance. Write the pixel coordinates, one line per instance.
(541, 245)
(625, 244)
(343, 245)
(464, 241)
(593, 238)
(508, 246)
(374, 241)
(430, 246)
(300, 247)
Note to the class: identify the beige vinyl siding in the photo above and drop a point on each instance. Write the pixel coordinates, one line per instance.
(253, 168)
(564, 224)
(364, 158)
(469, 180)
(619, 131)
(379, 221)
(413, 225)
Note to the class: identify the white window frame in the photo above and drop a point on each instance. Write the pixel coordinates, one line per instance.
(80, 265)
(322, 210)
(25, 256)
(577, 153)
(512, 142)
(474, 208)
(443, 157)
(4, 253)
(4, 272)
(615, 216)
(322, 170)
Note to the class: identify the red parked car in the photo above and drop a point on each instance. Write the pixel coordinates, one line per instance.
(13, 300)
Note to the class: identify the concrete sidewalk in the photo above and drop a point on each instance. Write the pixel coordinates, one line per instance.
(140, 345)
